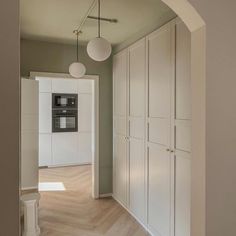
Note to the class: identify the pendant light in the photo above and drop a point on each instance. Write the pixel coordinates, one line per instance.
(77, 69)
(99, 49)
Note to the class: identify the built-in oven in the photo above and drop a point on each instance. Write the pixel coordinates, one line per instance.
(64, 100)
(64, 120)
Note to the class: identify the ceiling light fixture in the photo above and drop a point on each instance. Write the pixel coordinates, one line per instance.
(77, 69)
(99, 49)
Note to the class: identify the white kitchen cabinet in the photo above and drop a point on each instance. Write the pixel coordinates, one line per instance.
(121, 163)
(85, 112)
(85, 127)
(62, 149)
(29, 134)
(45, 150)
(45, 84)
(65, 149)
(45, 112)
(64, 85)
(137, 98)
(85, 86)
(85, 148)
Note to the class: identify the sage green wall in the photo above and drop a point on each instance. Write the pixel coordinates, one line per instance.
(54, 57)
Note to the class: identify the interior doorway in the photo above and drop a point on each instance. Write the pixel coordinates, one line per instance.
(85, 152)
(197, 29)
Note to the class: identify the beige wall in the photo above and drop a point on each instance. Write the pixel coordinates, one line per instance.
(9, 118)
(54, 57)
(220, 20)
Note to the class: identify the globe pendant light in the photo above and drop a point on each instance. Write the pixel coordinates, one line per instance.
(99, 49)
(77, 69)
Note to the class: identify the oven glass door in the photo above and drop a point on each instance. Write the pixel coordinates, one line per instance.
(64, 100)
(65, 123)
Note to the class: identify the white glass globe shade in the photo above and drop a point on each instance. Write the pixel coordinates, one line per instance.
(99, 49)
(77, 70)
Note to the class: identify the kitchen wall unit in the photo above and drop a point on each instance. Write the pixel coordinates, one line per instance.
(64, 86)
(45, 121)
(61, 149)
(152, 130)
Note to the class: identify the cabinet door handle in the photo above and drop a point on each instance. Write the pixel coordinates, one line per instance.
(168, 150)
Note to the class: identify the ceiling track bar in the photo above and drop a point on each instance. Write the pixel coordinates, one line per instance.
(103, 19)
(94, 3)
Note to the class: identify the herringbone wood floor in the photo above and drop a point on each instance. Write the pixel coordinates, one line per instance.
(73, 212)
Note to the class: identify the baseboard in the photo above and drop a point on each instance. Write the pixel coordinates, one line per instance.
(29, 188)
(69, 165)
(141, 223)
(105, 195)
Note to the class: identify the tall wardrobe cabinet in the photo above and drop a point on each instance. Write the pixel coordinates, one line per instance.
(152, 130)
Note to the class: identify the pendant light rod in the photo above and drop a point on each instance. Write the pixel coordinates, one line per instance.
(99, 19)
(103, 19)
(77, 47)
(92, 6)
(77, 43)
(87, 15)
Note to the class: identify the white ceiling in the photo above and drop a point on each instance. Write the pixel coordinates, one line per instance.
(55, 20)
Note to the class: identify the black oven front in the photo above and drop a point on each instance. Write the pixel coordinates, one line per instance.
(64, 120)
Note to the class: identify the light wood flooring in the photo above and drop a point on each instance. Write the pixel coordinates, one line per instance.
(74, 212)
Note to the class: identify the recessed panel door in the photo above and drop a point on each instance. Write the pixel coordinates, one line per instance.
(137, 82)
(182, 134)
(120, 162)
(160, 168)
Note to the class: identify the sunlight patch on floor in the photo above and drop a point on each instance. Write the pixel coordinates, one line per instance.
(51, 186)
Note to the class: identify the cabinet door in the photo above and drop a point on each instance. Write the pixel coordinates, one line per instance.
(85, 147)
(64, 86)
(120, 162)
(29, 133)
(85, 86)
(45, 84)
(85, 127)
(182, 131)
(85, 113)
(160, 189)
(45, 150)
(137, 75)
(65, 149)
(45, 112)
(182, 193)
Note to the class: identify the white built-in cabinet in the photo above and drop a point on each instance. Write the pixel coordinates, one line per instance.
(29, 134)
(182, 119)
(159, 128)
(64, 86)
(136, 128)
(121, 164)
(61, 149)
(152, 130)
(45, 121)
